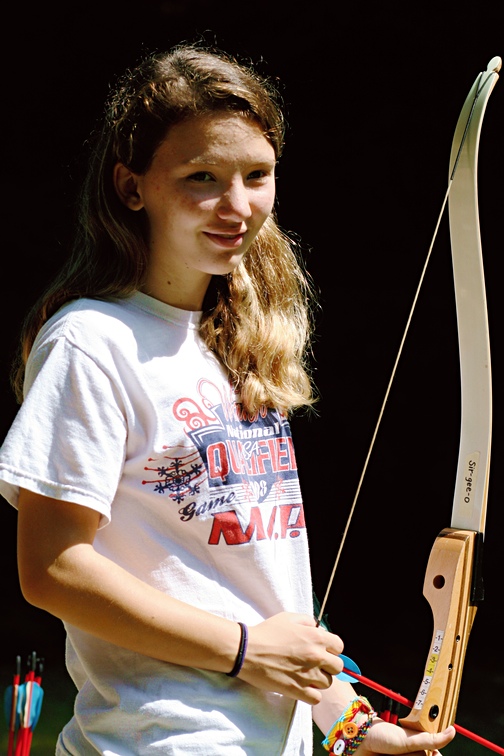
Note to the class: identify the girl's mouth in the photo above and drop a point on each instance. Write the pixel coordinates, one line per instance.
(230, 241)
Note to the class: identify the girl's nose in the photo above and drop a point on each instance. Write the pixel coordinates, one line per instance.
(234, 203)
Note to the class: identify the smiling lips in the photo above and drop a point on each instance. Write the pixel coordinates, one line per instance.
(230, 241)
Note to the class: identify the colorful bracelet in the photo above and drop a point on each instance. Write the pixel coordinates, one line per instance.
(348, 732)
(242, 650)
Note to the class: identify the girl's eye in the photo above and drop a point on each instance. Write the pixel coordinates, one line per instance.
(257, 175)
(200, 176)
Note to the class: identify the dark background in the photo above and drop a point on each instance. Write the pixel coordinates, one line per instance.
(372, 94)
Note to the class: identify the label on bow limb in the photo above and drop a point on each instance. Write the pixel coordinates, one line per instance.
(465, 492)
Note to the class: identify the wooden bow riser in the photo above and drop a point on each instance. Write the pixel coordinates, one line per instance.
(449, 587)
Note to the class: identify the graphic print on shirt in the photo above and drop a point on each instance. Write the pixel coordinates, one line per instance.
(244, 464)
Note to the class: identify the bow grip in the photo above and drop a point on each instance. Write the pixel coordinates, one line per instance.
(452, 587)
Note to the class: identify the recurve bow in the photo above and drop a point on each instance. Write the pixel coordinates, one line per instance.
(453, 581)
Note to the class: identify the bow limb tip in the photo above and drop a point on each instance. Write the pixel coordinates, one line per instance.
(495, 65)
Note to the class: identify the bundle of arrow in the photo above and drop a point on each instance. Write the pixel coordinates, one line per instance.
(22, 703)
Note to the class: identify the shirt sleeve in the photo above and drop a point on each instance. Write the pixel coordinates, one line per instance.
(68, 440)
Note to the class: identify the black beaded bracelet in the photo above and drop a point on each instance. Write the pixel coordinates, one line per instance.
(242, 650)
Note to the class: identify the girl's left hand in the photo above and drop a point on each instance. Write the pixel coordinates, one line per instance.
(385, 738)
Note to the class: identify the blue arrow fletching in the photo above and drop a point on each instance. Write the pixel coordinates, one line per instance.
(351, 666)
(35, 706)
(8, 704)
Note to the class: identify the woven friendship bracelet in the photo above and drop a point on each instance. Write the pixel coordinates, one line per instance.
(348, 732)
(242, 650)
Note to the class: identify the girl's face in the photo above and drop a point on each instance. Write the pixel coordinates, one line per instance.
(208, 191)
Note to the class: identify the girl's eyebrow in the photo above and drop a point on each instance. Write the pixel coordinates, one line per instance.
(211, 161)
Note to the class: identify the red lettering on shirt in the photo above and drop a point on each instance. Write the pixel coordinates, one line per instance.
(228, 525)
(218, 462)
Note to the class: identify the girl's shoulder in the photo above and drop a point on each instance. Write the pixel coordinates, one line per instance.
(107, 317)
(86, 322)
(105, 330)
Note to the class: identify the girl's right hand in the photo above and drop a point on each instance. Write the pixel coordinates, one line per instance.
(289, 654)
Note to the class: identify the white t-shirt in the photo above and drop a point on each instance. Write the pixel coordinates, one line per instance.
(128, 413)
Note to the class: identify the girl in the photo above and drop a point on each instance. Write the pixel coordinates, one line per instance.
(152, 453)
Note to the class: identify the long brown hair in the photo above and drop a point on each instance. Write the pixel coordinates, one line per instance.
(260, 318)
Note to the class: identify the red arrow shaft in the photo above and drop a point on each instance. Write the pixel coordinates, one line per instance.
(401, 699)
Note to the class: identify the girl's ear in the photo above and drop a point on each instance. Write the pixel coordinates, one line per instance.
(126, 186)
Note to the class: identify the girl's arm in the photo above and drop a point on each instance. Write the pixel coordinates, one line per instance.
(61, 572)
